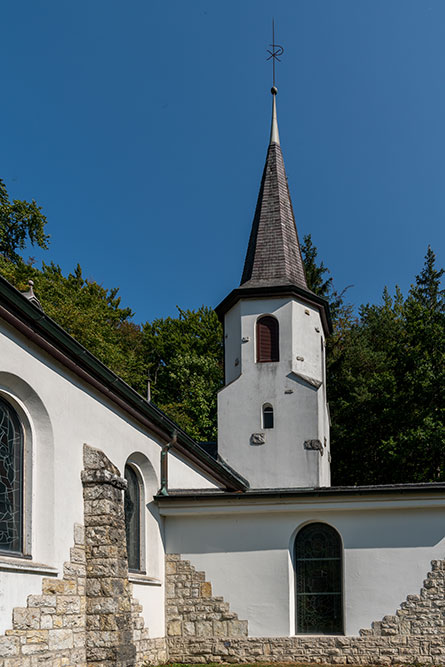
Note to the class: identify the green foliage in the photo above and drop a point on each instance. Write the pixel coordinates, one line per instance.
(315, 273)
(387, 386)
(385, 366)
(20, 221)
(90, 313)
(185, 362)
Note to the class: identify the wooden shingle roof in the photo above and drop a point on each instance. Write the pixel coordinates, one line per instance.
(273, 254)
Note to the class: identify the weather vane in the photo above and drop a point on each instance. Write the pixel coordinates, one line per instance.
(277, 50)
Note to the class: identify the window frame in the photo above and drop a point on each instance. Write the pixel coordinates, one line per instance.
(24, 528)
(274, 355)
(141, 569)
(270, 411)
(340, 630)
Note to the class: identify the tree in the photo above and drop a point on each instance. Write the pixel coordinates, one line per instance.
(387, 389)
(20, 221)
(90, 313)
(185, 360)
(315, 273)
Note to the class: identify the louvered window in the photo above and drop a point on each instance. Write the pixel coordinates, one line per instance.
(267, 339)
(318, 571)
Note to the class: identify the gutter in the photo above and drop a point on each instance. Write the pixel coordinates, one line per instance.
(82, 363)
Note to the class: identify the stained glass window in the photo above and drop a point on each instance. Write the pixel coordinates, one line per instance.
(132, 507)
(318, 564)
(11, 480)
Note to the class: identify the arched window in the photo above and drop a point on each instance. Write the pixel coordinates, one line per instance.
(11, 480)
(318, 565)
(132, 507)
(267, 339)
(267, 416)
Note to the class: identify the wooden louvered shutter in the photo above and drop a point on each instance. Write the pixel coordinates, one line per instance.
(267, 339)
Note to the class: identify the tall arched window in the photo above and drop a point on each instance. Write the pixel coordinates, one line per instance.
(318, 565)
(267, 339)
(132, 507)
(11, 480)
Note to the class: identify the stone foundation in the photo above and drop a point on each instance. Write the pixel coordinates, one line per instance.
(415, 634)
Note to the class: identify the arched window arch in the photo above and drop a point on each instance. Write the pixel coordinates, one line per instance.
(319, 587)
(133, 508)
(267, 339)
(11, 480)
(268, 417)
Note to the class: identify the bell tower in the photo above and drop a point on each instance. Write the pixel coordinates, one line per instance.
(273, 422)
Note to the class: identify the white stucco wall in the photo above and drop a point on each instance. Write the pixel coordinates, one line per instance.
(294, 387)
(247, 554)
(60, 413)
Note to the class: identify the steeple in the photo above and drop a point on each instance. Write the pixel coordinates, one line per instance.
(273, 255)
(273, 421)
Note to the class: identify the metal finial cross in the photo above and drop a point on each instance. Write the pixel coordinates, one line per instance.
(277, 50)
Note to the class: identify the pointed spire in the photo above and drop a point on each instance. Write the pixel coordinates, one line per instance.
(273, 254)
(274, 134)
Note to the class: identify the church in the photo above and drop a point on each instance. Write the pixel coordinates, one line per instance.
(125, 542)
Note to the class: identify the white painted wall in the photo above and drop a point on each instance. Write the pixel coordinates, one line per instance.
(60, 413)
(247, 554)
(300, 409)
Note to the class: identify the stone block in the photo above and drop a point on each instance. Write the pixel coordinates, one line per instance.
(101, 605)
(189, 629)
(79, 534)
(46, 621)
(220, 629)
(9, 646)
(204, 629)
(77, 555)
(170, 567)
(206, 589)
(60, 639)
(26, 619)
(74, 621)
(34, 649)
(237, 628)
(68, 604)
(54, 586)
(37, 637)
(72, 571)
(174, 628)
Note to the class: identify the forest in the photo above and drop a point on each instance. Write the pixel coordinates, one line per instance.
(385, 361)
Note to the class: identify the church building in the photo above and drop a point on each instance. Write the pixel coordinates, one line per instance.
(125, 542)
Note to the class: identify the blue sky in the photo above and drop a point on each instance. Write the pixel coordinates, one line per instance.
(141, 128)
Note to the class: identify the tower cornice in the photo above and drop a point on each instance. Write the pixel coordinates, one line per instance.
(277, 291)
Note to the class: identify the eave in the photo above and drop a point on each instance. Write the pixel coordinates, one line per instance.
(36, 326)
(379, 497)
(274, 291)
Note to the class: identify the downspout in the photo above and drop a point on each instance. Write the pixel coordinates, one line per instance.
(163, 491)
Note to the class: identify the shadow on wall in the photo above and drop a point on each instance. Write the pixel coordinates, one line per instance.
(361, 529)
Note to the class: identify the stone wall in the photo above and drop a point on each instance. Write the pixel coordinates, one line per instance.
(115, 632)
(88, 618)
(50, 630)
(415, 634)
(190, 608)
